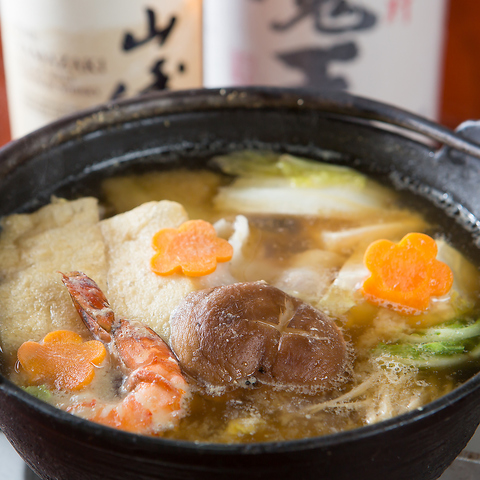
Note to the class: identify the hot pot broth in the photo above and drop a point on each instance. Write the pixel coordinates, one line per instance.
(301, 227)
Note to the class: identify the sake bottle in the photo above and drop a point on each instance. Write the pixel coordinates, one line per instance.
(62, 56)
(389, 50)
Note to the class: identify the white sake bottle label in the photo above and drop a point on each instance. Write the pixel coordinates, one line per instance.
(389, 50)
(62, 56)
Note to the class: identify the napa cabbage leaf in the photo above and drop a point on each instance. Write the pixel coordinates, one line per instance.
(285, 184)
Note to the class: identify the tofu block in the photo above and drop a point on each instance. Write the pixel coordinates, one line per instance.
(134, 291)
(62, 236)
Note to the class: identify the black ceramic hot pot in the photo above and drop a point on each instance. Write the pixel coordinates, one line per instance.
(437, 168)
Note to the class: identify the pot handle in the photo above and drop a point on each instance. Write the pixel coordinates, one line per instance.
(465, 139)
(343, 103)
(468, 130)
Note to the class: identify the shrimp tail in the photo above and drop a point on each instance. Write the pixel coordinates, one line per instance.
(91, 304)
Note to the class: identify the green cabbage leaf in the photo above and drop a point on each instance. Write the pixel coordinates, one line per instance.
(441, 346)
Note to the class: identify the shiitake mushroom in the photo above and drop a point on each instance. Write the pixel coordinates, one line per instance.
(237, 334)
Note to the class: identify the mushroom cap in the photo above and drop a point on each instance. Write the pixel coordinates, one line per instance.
(224, 336)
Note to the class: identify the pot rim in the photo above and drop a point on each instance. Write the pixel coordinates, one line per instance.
(153, 104)
(343, 104)
(148, 443)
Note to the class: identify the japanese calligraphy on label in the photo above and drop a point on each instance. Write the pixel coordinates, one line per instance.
(389, 50)
(62, 56)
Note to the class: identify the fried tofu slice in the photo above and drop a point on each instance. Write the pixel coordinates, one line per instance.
(134, 291)
(61, 236)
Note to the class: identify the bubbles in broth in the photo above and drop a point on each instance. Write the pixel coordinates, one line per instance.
(268, 298)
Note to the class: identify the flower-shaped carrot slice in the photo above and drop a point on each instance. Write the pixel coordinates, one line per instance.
(62, 360)
(405, 276)
(193, 249)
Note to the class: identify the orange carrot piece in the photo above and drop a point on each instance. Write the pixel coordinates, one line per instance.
(193, 249)
(405, 276)
(62, 360)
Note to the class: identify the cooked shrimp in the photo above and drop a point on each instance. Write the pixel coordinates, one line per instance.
(154, 389)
